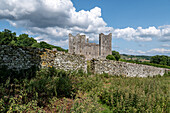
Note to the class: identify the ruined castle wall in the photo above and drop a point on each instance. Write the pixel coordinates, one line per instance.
(125, 69)
(62, 60)
(91, 51)
(20, 58)
(77, 44)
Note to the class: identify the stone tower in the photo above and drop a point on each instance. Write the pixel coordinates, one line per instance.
(77, 44)
(105, 45)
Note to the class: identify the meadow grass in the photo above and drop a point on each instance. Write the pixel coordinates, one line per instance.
(54, 90)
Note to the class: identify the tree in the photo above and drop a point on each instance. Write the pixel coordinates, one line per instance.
(110, 57)
(7, 36)
(13, 43)
(45, 45)
(116, 55)
(37, 45)
(24, 40)
(160, 59)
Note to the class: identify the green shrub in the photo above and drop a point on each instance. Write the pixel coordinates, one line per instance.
(110, 57)
(116, 55)
(136, 95)
(22, 74)
(77, 92)
(86, 105)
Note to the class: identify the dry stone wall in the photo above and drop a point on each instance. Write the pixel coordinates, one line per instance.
(125, 69)
(20, 58)
(62, 60)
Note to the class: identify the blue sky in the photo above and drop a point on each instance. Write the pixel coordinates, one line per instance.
(139, 27)
(130, 13)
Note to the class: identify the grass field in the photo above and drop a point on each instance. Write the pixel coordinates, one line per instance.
(59, 91)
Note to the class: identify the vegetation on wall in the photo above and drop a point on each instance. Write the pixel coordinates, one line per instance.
(8, 37)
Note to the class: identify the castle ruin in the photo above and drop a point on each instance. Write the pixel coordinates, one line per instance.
(80, 45)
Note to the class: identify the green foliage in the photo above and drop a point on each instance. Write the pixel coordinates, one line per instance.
(116, 55)
(9, 38)
(167, 74)
(136, 95)
(86, 105)
(45, 45)
(25, 41)
(162, 60)
(110, 57)
(22, 74)
(54, 90)
(140, 57)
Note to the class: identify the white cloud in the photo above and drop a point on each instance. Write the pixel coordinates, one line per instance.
(127, 33)
(138, 34)
(53, 20)
(148, 32)
(166, 45)
(159, 51)
(165, 35)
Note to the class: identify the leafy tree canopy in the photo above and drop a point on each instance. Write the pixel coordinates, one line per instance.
(110, 57)
(116, 55)
(8, 37)
(160, 59)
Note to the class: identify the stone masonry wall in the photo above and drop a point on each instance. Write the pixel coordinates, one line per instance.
(125, 69)
(19, 58)
(62, 60)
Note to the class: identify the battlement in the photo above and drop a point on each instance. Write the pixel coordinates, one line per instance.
(80, 45)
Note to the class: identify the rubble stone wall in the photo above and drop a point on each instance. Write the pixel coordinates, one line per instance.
(125, 69)
(62, 60)
(20, 58)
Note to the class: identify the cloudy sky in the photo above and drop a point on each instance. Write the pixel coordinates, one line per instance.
(139, 27)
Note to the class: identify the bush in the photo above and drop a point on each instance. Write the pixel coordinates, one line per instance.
(136, 95)
(116, 55)
(96, 93)
(5, 73)
(110, 57)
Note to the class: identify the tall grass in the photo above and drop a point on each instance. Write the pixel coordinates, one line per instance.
(59, 91)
